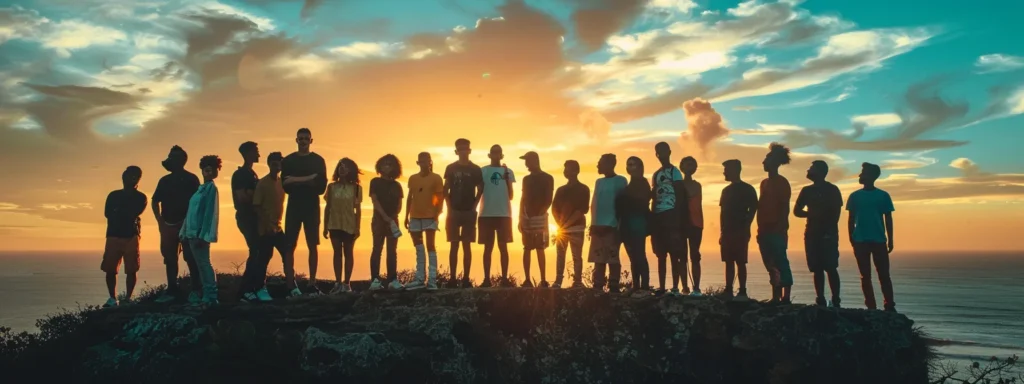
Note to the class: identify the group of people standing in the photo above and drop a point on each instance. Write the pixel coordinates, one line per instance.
(624, 213)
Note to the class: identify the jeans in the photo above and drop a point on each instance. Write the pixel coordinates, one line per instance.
(879, 252)
(569, 242)
(636, 249)
(201, 252)
(255, 275)
(248, 225)
(170, 245)
(381, 235)
(773, 254)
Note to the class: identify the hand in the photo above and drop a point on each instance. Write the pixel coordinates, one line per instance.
(326, 233)
(890, 246)
(355, 235)
(520, 226)
(407, 223)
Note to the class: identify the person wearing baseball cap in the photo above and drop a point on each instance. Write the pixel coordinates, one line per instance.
(170, 204)
(538, 188)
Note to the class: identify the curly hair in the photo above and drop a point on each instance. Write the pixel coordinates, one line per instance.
(776, 149)
(396, 170)
(210, 161)
(353, 171)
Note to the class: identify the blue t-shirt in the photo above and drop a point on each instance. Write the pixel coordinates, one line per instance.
(664, 191)
(869, 208)
(606, 191)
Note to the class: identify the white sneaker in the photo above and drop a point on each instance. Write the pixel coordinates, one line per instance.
(414, 285)
(194, 298)
(263, 295)
(111, 302)
(338, 289)
(295, 293)
(375, 285)
(431, 286)
(249, 297)
(395, 285)
(696, 293)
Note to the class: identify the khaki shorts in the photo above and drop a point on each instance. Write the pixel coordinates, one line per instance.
(120, 248)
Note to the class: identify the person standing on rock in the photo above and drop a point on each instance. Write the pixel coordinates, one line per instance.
(538, 188)
(122, 210)
(773, 224)
(738, 209)
(671, 215)
(243, 187)
(570, 207)
(463, 186)
(386, 194)
(604, 230)
(634, 217)
(200, 227)
(268, 201)
(170, 204)
(821, 204)
(694, 222)
(304, 178)
(871, 233)
(495, 221)
(342, 216)
(424, 206)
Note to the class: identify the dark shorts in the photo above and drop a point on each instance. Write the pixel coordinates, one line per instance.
(304, 218)
(822, 252)
(118, 248)
(342, 236)
(495, 226)
(666, 234)
(460, 226)
(536, 239)
(735, 247)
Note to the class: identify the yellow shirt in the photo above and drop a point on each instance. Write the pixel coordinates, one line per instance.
(269, 202)
(426, 196)
(343, 199)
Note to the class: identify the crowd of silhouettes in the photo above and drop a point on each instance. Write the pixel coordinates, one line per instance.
(624, 212)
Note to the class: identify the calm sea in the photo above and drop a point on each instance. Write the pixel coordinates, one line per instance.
(973, 302)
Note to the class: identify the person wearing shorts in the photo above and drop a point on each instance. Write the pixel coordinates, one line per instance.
(386, 194)
(304, 178)
(495, 223)
(538, 188)
(773, 224)
(670, 216)
(170, 204)
(424, 205)
(605, 240)
(463, 186)
(122, 210)
(738, 209)
(569, 208)
(821, 203)
(342, 215)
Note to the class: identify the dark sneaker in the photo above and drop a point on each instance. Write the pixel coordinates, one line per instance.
(486, 284)
(835, 302)
(890, 308)
(741, 295)
(578, 284)
(528, 284)
(466, 283)
(660, 292)
(785, 302)
(544, 284)
(821, 302)
(686, 290)
(614, 289)
(505, 283)
(557, 284)
(249, 297)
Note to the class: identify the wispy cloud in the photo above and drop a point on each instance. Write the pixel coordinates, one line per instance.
(877, 120)
(998, 62)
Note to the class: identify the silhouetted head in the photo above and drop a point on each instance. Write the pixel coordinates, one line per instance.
(274, 162)
(250, 152)
(606, 165)
(346, 171)
(664, 153)
(532, 161)
(462, 149)
(733, 168)
(425, 162)
(869, 173)
(778, 155)
(176, 159)
(571, 170)
(496, 154)
(635, 167)
(210, 165)
(389, 166)
(131, 176)
(303, 138)
(688, 165)
(817, 171)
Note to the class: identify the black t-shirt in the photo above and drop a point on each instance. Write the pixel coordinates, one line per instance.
(242, 180)
(304, 194)
(173, 192)
(570, 198)
(537, 190)
(463, 180)
(389, 194)
(738, 199)
(824, 204)
(122, 210)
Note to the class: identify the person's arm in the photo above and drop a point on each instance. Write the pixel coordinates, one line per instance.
(751, 206)
(359, 209)
(327, 216)
(408, 205)
(682, 203)
(157, 199)
(437, 198)
(141, 206)
(888, 230)
(522, 203)
(108, 207)
(547, 195)
(580, 209)
(510, 178)
(851, 221)
(446, 189)
(479, 190)
(799, 209)
(239, 190)
(320, 178)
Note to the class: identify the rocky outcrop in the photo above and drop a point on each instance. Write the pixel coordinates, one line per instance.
(484, 336)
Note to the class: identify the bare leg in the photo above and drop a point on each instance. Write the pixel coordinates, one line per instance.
(503, 250)
(130, 281)
(542, 264)
(112, 285)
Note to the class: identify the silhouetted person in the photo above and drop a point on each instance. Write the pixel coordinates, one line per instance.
(424, 206)
(538, 188)
(570, 207)
(669, 204)
(304, 177)
(634, 214)
(604, 230)
(170, 204)
(773, 223)
(739, 206)
(694, 225)
(243, 186)
(342, 216)
(386, 194)
(821, 203)
(124, 228)
(463, 186)
(268, 202)
(201, 222)
(496, 213)
(872, 237)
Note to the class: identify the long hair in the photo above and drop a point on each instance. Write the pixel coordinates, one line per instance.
(396, 171)
(353, 171)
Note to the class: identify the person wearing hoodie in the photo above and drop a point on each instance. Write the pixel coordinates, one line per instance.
(170, 204)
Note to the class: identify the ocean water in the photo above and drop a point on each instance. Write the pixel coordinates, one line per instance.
(972, 303)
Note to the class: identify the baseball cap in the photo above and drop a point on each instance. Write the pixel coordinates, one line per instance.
(530, 155)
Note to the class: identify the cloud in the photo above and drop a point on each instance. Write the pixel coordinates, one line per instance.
(972, 183)
(361, 49)
(596, 20)
(18, 23)
(752, 58)
(998, 63)
(965, 165)
(594, 124)
(655, 105)
(704, 125)
(67, 112)
(877, 120)
(904, 164)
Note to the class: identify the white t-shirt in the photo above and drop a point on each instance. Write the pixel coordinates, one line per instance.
(664, 192)
(495, 198)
